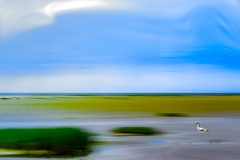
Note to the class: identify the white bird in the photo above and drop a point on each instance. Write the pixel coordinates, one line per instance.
(201, 130)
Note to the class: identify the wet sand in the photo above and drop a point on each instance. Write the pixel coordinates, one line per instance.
(182, 142)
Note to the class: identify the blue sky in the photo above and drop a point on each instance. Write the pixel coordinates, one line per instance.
(120, 46)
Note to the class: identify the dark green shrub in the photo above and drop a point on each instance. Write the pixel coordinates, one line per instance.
(172, 114)
(57, 140)
(138, 130)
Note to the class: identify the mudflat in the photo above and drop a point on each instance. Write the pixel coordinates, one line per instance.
(182, 142)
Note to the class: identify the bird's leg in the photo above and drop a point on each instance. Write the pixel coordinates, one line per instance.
(204, 137)
(201, 137)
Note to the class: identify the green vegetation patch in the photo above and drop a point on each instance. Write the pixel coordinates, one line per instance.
(172, 114)
(5, 98)
(136, 130)
(56, 141)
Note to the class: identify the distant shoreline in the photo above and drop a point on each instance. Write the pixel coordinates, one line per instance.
(113, 94)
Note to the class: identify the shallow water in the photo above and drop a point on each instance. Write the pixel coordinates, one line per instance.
(182, 138)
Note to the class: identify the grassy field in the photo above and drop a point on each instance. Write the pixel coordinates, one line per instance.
(132, 103)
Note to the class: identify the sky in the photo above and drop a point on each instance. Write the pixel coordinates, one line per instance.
(120, 46)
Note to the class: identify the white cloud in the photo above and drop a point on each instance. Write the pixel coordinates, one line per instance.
(20, 15)
(57, 7)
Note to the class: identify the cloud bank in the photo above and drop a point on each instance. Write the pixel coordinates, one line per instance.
(185, 79)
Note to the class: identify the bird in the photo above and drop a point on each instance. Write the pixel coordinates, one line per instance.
(202, 131)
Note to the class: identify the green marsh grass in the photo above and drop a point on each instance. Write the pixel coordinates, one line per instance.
(57, 141)
(136, 130)
(172, 115)
(133, 103)
(156, 103)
